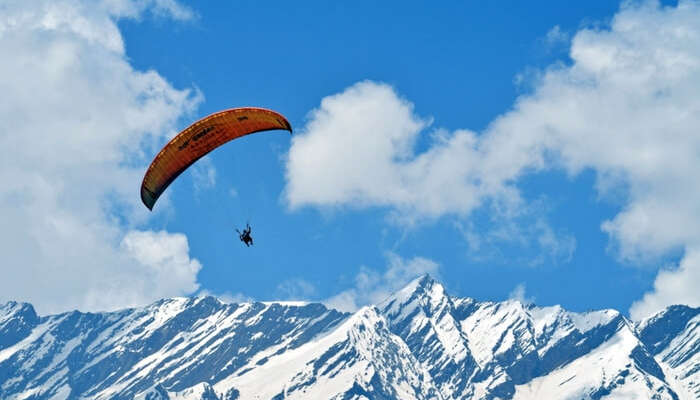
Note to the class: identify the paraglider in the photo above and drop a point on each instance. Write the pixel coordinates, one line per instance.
(245, 235)
(199, 139)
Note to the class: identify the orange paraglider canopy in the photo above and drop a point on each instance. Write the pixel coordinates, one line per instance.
(199, 139)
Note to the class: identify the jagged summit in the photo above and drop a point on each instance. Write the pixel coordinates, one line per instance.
(416, 286)
(419, 343)
(423, 291)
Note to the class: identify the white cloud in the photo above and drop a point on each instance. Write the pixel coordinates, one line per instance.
(518, 293)
(75, 124)
(626, 107)
(372, 286)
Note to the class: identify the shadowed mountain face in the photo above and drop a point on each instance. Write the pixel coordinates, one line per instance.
(420, 343)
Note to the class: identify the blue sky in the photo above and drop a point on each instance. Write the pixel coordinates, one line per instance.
(537, 125)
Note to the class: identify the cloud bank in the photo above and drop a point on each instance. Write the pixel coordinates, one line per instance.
(626, 107)
(74, 122)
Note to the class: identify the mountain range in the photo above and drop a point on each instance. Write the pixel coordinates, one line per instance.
(419, 343)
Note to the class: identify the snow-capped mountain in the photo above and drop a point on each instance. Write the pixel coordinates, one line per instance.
(420, 343)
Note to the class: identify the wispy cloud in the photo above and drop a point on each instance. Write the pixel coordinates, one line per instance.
(227, 297)
(171, 9)
(518, 293)
(203, 174)
(527, 229)
(296, 289)
(556, 36)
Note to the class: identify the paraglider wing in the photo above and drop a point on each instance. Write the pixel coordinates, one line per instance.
(199, 139)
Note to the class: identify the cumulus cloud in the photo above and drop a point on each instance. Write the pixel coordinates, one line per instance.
(625, 107)
(361, 135)
(372, 286)
(75, 124)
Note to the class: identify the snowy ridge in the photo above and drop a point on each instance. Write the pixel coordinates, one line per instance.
(420, 343)
(673, 337)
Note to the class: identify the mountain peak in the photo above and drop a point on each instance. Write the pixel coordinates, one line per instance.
(425, 279)
(423, 290)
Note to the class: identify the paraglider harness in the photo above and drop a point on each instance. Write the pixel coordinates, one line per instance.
(245, 235)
